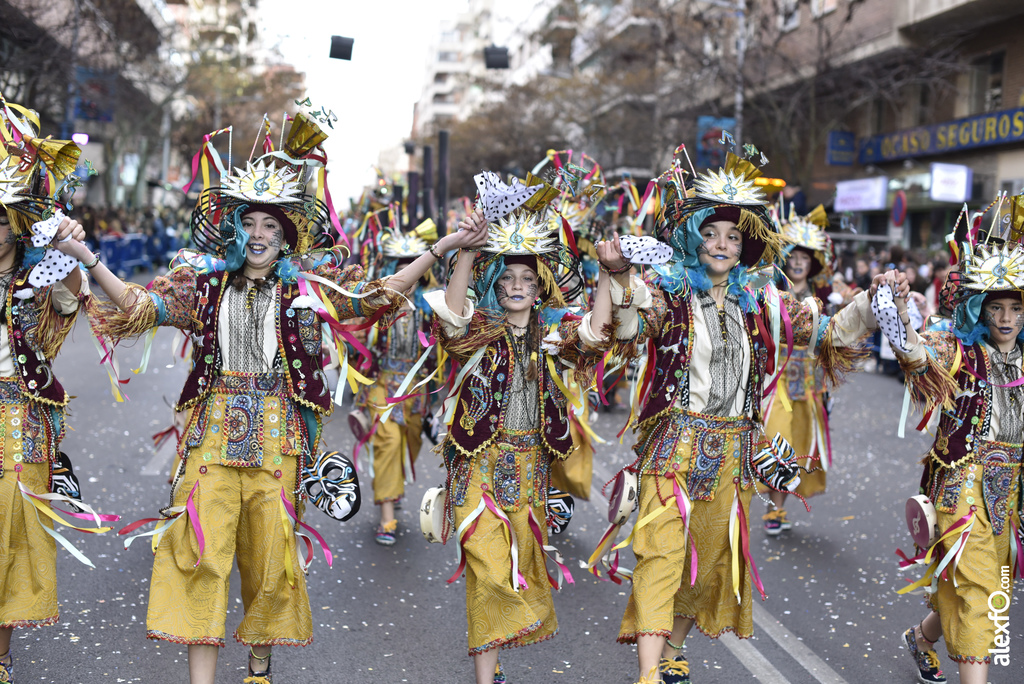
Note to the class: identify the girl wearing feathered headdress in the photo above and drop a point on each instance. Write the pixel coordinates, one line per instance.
(41, 290)
(797, 409)
(971, 375)
(519, 355)
(715, 336)
(254, 301)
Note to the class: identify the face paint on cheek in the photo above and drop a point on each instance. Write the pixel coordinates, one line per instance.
(531, 293)
(702, 248)
(276, 239)
(500, 293)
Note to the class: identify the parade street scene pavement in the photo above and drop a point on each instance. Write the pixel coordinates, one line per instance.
(382, 614)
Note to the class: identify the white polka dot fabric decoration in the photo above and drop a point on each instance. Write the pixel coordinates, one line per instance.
(884, 307)
(55, 265)
(498, 199)
(644, 249)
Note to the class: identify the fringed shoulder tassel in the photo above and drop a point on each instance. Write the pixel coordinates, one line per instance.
(55, 327)
(837, 361)
(930, 384)
(109, 321)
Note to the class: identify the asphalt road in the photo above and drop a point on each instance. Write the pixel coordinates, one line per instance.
(387, 614)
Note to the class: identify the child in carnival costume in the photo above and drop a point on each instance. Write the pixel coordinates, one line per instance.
(972, 474)
(714, 337)
(582, 195)
(254, 300)
(402, 365)
(516, 345)
(42, 292)
(798, 409)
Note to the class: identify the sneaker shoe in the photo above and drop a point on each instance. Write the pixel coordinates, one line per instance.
(499, 674)
(772, 523)
(928, 671)
(386, 533)
(674, 670)
(7, 669)
(784, 525)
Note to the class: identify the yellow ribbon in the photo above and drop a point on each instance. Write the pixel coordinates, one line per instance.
(644, 521)
(286, 526)
(561, 385)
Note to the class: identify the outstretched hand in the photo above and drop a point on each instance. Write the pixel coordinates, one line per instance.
(897, 281)
(69, 239)
(471, 235)
(609, 253)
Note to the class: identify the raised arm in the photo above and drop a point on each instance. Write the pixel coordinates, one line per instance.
(613, 263)
(112, 286)
(471, 234)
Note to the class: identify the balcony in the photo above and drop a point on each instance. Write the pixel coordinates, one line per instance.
(942, 15)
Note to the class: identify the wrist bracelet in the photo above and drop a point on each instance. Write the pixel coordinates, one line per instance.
(433, 253)
(617, 271)
(92, 264)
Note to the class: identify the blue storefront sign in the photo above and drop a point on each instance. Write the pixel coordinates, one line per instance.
(982, 130)
(841, 149)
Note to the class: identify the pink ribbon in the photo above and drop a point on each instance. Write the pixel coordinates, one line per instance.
(193, 517)
(566, 575)
(334, 214)
(1020, 547)
(105, 517)
(462, 556)
(323, 544)
(693, 543)
(745, 544)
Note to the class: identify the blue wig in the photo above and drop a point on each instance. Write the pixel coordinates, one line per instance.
(973, 329)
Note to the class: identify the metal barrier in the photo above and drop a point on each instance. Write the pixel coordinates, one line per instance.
(124, 254)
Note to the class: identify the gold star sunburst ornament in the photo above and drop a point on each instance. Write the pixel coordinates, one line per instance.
(808, 232)
(995, 267)
(263, 183)
(523, 232)
(728, 186)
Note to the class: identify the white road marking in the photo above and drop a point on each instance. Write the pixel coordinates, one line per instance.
(789, 643)
(161, 459)
(752, 659)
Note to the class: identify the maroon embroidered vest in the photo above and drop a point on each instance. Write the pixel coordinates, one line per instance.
(483, 399)
(298, 343)
(671, 359)
(967, 424)
(35, 376)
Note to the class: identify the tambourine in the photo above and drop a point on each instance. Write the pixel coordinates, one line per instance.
(623, 498)
(432, 514)
(359, 424)
(922, 521)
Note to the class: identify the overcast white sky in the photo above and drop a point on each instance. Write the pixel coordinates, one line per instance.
(373, 95)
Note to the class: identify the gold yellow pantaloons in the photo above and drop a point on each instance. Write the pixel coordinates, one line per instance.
(392, 441)
(574, 474)
(661, 580)
(240, 513)
(497, 614)
(986, 565)
(28, 556)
